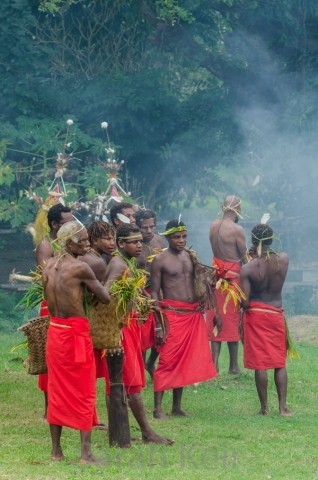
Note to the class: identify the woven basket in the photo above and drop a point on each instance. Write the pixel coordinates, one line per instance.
(36, 332)
(105, 327)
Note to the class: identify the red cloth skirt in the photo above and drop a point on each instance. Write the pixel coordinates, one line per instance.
(100, 364)
(71, 373)
(228, 270)
(185, 358)
(264, 337)
(147, 331)
(42, 380)
(133, 368)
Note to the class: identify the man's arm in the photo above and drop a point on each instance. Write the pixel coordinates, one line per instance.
(43, 252)
(245, 284)
(155, 278)
(114, 271)
(90, 281)
(241, 244)
(155, 282)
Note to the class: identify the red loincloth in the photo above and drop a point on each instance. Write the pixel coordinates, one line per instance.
(71, 374)
(133, 368)
(264, 337)
(230, 319)
(147, 331)
(100, 364)
(42, 380)
(185, 358)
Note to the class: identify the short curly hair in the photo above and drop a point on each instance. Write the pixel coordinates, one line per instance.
(262, 233)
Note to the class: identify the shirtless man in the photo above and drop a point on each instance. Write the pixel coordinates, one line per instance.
(69, 349)
(101, 237)
(185, 356)
(121, 213)
(129, 243)
(228, 244)
(57, 216)
(262, 280)
(151, 243)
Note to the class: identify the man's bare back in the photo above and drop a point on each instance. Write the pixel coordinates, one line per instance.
(227, 240)
(64, 279)
(264, 278)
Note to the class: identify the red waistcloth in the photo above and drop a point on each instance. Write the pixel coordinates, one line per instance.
(42, 379)
(147, 331)
(264, 337)
(133, 368)
(71, 374)
(185, 358)
(100, 364)
(229, 270)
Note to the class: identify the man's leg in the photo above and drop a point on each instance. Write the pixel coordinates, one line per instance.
(150, 364)
(176, 405)
(158, 413)
(86, 452)
(233, 351)
(56, 431)
(216, 348)
(45, 404)
(261, 381)
(280, 377)
(139, 412)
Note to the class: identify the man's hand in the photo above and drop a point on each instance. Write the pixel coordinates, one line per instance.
(217, 322)
(159, 336)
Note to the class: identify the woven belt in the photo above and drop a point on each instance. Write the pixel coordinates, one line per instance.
(255, 309)
(59, 325)
(180, 310)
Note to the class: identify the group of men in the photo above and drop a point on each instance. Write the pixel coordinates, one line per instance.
(178, 330)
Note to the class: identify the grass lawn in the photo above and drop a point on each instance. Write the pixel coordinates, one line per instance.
(224, 437)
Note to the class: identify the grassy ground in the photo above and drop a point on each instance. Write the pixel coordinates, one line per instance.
(224, 438)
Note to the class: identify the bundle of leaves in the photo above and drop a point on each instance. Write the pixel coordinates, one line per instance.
(232, 290)
(34, 294)
(292, 351)
(129, 291)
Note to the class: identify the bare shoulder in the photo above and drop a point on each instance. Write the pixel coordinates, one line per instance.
(157, 242)
(283, 258)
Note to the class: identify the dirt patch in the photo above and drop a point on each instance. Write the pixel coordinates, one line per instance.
(304, 328)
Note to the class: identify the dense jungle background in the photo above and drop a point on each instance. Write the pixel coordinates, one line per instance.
(203, 98)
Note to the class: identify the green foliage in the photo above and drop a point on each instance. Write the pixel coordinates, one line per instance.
(170, 77)
(10, 317)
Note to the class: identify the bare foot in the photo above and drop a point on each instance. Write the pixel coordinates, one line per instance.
(284, 412)
(57, 457)
(159, 415)
(179, 413)
(153, 437)
(100, 426)
(263, 411)
(235, 371)
(91, 460)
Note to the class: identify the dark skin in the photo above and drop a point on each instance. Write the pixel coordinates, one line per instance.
(64, 279)
(228, 242)
(115, 270)
(94, 258)
(151, 243)
(262, 280)
(172, 273)
(44, 251)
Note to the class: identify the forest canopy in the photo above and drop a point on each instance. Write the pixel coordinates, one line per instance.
(201, 98)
